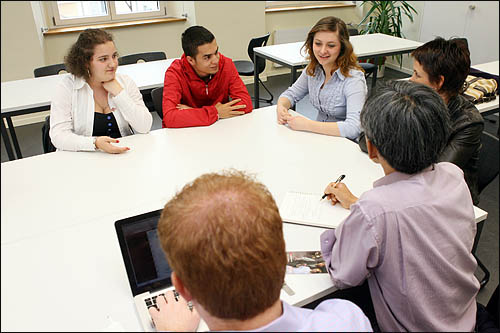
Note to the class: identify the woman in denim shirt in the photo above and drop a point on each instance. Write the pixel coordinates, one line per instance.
(334, 81)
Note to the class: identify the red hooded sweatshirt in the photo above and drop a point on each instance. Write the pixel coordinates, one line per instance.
(183, 86)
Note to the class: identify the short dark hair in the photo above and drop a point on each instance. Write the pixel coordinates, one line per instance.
(408, 123)
(193, 37)
(449, 58)
(78, 58)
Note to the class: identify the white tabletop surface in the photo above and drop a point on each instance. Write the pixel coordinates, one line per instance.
(489, 67)
(364, 46)
(35, 92)
(61, 263)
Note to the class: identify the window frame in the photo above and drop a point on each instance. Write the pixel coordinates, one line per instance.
(111, 17)
(280, 4)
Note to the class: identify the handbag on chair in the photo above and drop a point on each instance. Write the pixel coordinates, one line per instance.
(479, 90)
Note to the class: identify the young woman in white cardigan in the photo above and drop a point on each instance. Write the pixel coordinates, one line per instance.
(94, 105)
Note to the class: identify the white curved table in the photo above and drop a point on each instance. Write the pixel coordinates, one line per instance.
(61, 264)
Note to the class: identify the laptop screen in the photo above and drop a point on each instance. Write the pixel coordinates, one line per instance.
(146, 265)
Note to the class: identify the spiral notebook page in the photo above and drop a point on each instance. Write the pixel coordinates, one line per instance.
(308, 209)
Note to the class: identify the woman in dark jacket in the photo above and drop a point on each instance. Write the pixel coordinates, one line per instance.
(444, 65)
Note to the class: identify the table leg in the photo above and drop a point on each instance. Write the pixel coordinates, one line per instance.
(375, 73)
(6, 141)
(14, 137)
(294, 74)
(255, 81)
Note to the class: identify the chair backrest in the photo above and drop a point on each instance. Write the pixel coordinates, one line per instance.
(141, 57)
(47, 145)
(50, 70)
(157, 96)
(258, 42)
(353, 31)
(488, 163)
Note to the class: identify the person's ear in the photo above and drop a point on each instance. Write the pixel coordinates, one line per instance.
(440, 83)
(372, 151)
(179, 286)
(191, 60)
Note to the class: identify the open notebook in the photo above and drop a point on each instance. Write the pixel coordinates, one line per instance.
(308, 209)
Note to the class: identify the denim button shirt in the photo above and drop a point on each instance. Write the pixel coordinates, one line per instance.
(340, 100)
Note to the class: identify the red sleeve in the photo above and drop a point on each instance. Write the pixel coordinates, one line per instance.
(237, 89)
(175, 118)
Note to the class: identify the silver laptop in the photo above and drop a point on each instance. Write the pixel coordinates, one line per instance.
(147, 268)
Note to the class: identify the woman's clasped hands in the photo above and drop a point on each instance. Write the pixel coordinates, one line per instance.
(297, 123)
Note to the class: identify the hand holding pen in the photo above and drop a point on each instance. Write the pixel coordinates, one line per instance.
(335, 184)
(338, 192)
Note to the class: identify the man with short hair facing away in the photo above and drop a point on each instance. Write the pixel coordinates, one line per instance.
(411, 235)
(204, 85)
(223, 238)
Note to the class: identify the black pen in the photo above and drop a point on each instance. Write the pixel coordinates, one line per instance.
(336, 183)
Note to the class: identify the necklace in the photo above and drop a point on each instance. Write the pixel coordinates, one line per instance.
(103, 108)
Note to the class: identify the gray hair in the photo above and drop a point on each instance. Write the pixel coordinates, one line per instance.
(408, 123)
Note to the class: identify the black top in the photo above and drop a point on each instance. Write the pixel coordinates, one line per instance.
(464, 143)
(105, 125)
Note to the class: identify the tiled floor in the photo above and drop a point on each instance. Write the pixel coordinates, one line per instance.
(30, 141)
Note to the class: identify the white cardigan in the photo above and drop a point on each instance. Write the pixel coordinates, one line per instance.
(72, 112)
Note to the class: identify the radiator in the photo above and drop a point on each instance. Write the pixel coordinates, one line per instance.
(290, 36)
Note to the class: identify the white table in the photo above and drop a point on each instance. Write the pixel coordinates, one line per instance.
(490, 107)
(34, 95)
(365, 46)
(61, 264)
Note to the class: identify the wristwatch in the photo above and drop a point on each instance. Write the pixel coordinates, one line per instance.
(94, 139)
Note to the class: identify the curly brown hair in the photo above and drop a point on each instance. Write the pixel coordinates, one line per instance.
(346, 59)
(78, 58)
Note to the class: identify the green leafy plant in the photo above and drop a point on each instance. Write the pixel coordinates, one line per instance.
(386, 17)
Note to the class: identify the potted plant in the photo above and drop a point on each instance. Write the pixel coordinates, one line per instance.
(386, 17)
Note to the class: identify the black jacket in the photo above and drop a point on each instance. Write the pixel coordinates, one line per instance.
(464, 142)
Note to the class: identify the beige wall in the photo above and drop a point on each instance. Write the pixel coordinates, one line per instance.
(233, 23)
(21, 47)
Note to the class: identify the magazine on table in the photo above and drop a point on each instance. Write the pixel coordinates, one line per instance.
(305, 262)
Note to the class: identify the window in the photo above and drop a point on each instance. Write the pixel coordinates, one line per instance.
(67, 13)
(278, 4)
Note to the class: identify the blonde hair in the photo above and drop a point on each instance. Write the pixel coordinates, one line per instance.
(223, 236)
(347, 58)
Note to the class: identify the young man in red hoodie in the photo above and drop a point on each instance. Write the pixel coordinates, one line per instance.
(203, 86)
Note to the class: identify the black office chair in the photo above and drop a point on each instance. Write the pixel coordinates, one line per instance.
(141, 57)
(157, 95)
(47, 145)
(367, 67)
(488, 166)
(246, 68)
(50, 70)
(56, 69)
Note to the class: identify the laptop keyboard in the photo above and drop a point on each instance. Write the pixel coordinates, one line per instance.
(151, 301)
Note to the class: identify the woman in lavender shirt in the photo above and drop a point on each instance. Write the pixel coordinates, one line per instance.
(334, 81)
